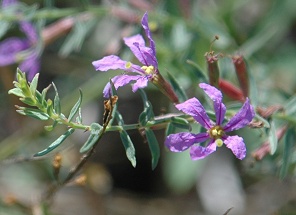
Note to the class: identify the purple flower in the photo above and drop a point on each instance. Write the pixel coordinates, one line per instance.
(14, 49)
(134, 73)
(216, 131)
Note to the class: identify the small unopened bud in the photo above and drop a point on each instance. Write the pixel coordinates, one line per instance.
(267, 112)
(241, 73)
(230, 90)
(213, 69)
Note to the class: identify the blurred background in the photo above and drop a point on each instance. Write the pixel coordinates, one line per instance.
(264, 32)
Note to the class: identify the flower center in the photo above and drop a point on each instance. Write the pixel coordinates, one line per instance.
(216, 132)
(148, 69)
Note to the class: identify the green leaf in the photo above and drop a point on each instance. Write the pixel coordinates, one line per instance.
(56, 101)
(198, 72)
(39, 98)
(181, 123)
(35, 113)
(153, 146)
(56, 143)
(289, 142)
(79, 117)
(290, 107)
(177, 88)
(34, 83)
(76, 107)
(28, 101)
(50, 127)
(170, 129)
(44, 92)
(273, 141)
(17, 92)
(129, 147)
(95, 133)
(147, 114)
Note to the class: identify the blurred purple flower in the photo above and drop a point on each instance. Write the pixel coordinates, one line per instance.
(216, 132)
(14, 49)
(135, 73)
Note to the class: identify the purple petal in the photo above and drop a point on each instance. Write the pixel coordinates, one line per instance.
(31, 66)
(148, 33)
(141, 82)
(242, 118)
(9, 48)
(200, 152)
(195, 109)
(29, 30)
(237, 146)
(181, 141)
(144, 54)
(110, 62)
(130, 42)
(119, 81)
(216, 96)
(148, 56)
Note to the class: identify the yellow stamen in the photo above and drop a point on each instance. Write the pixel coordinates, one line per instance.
(128, 65)
(216, 132)
(148, 69)
(219, 142)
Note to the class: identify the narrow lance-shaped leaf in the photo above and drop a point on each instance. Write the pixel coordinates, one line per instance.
(35, 113)
(289, 142)
(28, 101)
(95, 133)
(272, 138)
(181, 123)
(56, 143)
(76, 107)
(170, 129)
(177, 88)
(147, 113)
(56, 101)
(129, 147)
(33, 84)
(153, 146)
(17, 92)
(79, 117)
(44, 92)
(199, 73)
(126, 141)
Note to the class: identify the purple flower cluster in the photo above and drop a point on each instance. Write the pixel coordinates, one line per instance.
(216, 131)
(134, 73)
(14, 49)
(148, 71)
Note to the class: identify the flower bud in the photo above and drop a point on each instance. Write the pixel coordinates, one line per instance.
(241, 73)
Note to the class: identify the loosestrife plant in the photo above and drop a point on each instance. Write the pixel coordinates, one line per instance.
(217, 130)
(139, 76)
